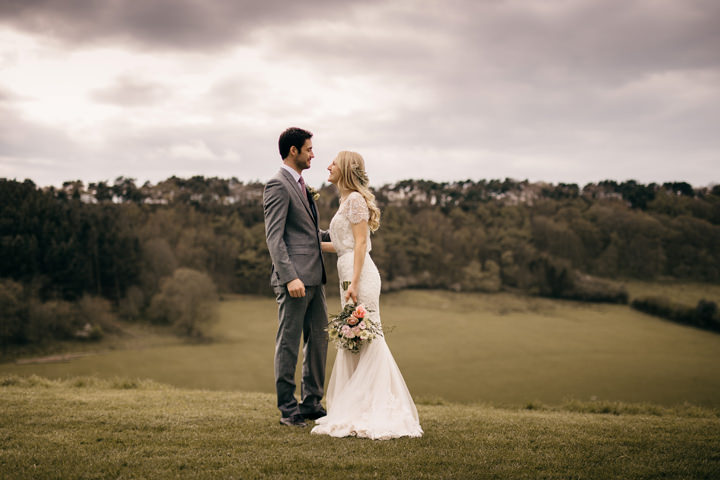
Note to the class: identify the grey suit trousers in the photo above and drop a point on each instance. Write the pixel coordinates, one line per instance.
(307, 317)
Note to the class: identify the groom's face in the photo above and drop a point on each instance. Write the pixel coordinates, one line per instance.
(305, 155)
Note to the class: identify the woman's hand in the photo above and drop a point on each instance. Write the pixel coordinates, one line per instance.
(351, 292)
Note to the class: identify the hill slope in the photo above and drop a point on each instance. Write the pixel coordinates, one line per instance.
(504, 349)
(92, 428)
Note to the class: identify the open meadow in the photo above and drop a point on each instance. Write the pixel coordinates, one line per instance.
(95, 429)
(507, 386)
(501, 349)
(685, 293)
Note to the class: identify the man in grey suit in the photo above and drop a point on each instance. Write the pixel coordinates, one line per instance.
(297, 278)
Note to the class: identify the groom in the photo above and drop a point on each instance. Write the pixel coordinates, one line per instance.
(298, 275)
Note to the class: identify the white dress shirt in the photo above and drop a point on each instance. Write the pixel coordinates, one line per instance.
(295, 175)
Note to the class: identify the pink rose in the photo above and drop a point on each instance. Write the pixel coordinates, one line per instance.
(352, 320)
(362, 325)
(356, 331)
(360, 312)
(347, 332)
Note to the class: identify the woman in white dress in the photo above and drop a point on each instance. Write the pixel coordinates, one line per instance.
(367, 396)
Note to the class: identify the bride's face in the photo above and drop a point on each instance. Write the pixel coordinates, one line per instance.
(334, 172)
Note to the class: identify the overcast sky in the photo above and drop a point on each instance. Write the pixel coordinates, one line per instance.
(558, 91)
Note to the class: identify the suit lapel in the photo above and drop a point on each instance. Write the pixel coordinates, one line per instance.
(294, 187)
(313, 208)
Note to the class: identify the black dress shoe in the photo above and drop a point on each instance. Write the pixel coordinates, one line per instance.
(315, 415)
(293, 421)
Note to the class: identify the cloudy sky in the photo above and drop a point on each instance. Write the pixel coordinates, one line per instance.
(556, 90)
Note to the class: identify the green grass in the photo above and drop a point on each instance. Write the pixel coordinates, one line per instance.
(92, 428)
(501, 349)
(686, 293)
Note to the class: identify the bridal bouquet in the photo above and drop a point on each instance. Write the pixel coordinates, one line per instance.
(352, 328)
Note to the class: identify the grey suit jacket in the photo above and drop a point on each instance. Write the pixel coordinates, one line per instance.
(291, 232)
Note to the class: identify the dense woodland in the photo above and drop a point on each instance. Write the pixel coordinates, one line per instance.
(72, 256)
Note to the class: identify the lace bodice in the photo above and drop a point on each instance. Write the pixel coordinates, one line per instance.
(351, 211)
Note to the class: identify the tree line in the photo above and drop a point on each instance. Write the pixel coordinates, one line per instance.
(70, 256)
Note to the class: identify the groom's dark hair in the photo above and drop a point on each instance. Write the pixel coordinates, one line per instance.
(292, 137)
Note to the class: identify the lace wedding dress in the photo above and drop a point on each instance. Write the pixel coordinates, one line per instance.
(366, 396)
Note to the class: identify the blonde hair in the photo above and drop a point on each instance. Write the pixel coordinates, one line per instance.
(353, 177)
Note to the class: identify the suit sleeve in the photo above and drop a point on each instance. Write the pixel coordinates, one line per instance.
(276, 204)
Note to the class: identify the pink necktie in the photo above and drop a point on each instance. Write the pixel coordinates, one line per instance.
(302, 185)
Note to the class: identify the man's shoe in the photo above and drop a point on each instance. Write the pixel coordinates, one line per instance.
(315, 415)
(293, 421)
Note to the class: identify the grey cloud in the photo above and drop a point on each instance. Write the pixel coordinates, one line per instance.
(551, 83)
(530, 66)
(5, 96)
(560, 91)
(236, 94)
(162, 24)
(128, 91)
(48, 156)
(35, 151)
(215, 150)
(612, 39)
(24, 139)
(9, 97)
(543, 42)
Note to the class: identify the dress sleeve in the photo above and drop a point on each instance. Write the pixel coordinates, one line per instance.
(357, 209)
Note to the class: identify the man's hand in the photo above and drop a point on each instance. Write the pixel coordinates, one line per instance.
(296, 288)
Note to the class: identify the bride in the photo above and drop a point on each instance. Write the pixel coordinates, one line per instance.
(367, 396)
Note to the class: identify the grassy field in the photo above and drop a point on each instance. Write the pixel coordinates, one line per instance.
(501, 349)
(686, 293)
(93, 429)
